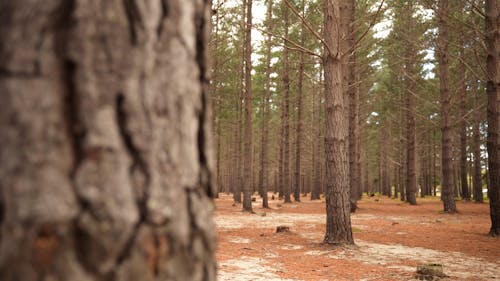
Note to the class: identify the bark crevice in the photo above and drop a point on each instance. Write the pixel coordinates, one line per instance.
(138, 164)
(133, 17)
(165, 9)
(201, 54)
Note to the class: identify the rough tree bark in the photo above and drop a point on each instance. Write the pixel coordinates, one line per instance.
(298, 132)
(492, 91)
(280, 156)
(316, 189)
(338, 216)
(464, 185)
(477, 182)
(217, 101)
(434, 164)
(347, 10)
(264, 158)
(401, 148)
(286, 106)
(237, 189)
(447, 190)
(411, 188)
(248, 163)
(105, 162)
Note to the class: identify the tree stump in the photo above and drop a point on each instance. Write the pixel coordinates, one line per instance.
(354, 206)
(430, 271)
(282, 228)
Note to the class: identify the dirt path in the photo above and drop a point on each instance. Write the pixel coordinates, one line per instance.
(392, 238)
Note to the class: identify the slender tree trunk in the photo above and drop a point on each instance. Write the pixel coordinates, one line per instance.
(237, 152)
(281, 144)
(237, 189)
(477, 181)
(358, 189)
(264, 179)
(422, 166)
(492, 91)
(427, 164)
(347, 9)
(217, 123)
(316, 190)
(338, 216)
(456, 177)
(106, 159)
(286, 125)
(434, 163)
(314, 153)
(411, 187)
(248, 162)
(218, 183)
(386, 187)
(402, 181)
(298, 132)
(464, 185)
(447, 189)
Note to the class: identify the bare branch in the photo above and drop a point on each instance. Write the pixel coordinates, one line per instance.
(372, 23)
(296, 45)
(308, 26)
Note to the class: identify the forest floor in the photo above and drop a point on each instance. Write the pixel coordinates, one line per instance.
(391, 238)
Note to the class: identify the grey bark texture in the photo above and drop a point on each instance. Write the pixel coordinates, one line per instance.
(298, 127)
(264, 158)
(464, 185)
(105, 162)
(447, 192)
(492, 91)
(477, 181)
(286, 108)
(347, 17)
(411, 188)
(316, 189)
(338, 209)
(248, 151)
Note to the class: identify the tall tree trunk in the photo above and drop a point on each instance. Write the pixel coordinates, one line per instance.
(434, 163)
(298, 132)
(248, 163)
(105, 126)
(314, 153)
(316, 189)
(411, 188)
(426, 164)
(358, 188)
(286, 103)
(338, 216)
(218, 183)
(237, 152)
(237, 189)
(464, 185)
(402, 178)
(217, 123)
(492, 91)
(422, 176)
(264, 177)
(281, 145)
(477, 181)
(386, 187)
(347, 9)
(447, 190)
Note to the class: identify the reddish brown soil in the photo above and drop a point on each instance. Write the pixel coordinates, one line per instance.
(392, 238)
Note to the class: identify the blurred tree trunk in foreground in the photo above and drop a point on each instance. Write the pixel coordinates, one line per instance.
(106, 156)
